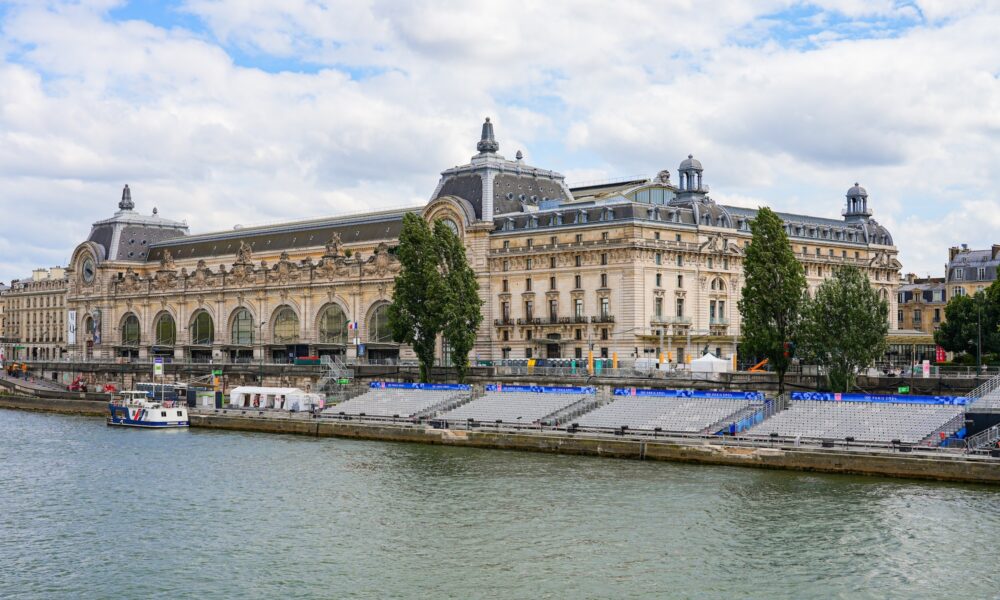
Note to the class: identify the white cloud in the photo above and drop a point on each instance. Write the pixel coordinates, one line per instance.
(391, 93)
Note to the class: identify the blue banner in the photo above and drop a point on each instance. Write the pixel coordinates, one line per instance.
(540, 389)
(880, 398)
(392, 385)
(723, 395)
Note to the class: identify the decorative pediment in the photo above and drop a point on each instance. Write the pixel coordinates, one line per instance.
(381, 263)
(284, 271)
(201, 277)
(130, 282)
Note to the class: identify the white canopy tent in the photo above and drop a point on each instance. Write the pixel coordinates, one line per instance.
(710, 364)
(281, 398)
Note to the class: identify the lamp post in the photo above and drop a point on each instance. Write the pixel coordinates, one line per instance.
(979, 334)
(260, 336)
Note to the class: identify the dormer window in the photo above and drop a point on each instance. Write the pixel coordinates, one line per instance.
(581, 216)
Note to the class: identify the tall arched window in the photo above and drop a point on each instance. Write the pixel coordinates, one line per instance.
(718, 284)
(243, 327)
(130, 331)
(378, 326)
(333, 325)
(202, 330)
(166, 330)
(286, 326)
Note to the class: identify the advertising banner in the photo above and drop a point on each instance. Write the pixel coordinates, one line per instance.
(541, 389)
(157, 367)
(880, 398)
(392, 385)
(734, 395)
(940, 355)
(96, 327)
(71, 327)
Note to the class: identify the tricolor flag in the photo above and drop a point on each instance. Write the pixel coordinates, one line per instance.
(352, 326)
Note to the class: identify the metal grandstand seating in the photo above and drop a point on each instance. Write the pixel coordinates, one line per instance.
(986, 396)
(688, 415)
(514, 407)
(404, 403)
(863, 421)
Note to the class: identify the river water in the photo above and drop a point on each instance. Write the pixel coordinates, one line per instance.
(88, 511)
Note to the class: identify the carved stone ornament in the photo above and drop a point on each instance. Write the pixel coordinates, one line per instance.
(243, 255)
(333, 246)
(201, 277)
(285, 271)
(130, 282)
(167, 262)
(381, 263)
(164, 280)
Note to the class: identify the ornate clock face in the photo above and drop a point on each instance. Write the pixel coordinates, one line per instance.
(88, 271)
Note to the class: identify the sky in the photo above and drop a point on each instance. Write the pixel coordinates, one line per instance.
(226, 112)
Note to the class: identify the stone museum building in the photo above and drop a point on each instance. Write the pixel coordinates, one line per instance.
(632, 268)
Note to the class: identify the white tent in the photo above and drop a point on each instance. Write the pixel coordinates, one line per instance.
(263, 397)
(710, 364)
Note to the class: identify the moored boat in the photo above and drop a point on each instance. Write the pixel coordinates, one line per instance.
(137, 409)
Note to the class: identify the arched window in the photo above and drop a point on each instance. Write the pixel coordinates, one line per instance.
(166, 330)
(130, 331)
(202, 330)
(286, 326)
(378, 326)
(243, 327)
(718, 284)
(333, 325)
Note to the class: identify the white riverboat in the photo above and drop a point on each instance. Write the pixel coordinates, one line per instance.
(137, 409)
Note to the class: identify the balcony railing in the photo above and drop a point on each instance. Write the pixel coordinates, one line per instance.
(504, 322)
(718, 321)
(603, 319)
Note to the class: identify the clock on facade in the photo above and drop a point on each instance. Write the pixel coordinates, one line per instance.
(88, 271)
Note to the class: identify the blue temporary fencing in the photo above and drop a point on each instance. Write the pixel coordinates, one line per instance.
(392, 385)
(732, 395)
(540, 389)
(880, 398)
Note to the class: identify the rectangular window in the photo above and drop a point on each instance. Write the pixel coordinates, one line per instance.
(553, 310)
(527, 284)
(899, 316)
(711, 311)
(528, 263)
(658, 258)
(578, 352)
(656, 235)
(710, 262)
(505, 311)
(817, 251)
(982, 273)
(579, 260)
(553, 240)
(831, 252)
(604, 280)
(506, 335)
(579, 238)
(680, 260)
(843, 254)
(528, 334)
(937, 315)
(576, 282)
(604, 258)
(531, 243)
(527, 351)
(659, 280)
(578, 334)
(604, 352)
(725, 263)
(680, 281)
(552, 262)
(658, 308)
(680, 307)
(552, 283)
(578, 309)
(506, 265)
(680, 356)
(529, 310)
(916, 317)
(604, 235)
(506, 286)
(506, 244)
(505, 353)
(605, 310)
(604, 333)
(677, 237)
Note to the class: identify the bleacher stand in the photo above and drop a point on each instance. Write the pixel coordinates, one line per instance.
(516, 405)
(680, 411)
(881, 422)
(401, 400)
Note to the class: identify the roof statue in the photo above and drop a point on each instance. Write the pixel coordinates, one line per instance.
(487, 142)
(333, 246)
(243, 255)
(126, 203)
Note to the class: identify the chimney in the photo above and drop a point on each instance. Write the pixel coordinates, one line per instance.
(952, 253)
(910, 278)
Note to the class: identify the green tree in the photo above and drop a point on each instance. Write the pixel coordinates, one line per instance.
(969, 319)
(844, 327)
(416, 315)
(462, 314)
(772, 293)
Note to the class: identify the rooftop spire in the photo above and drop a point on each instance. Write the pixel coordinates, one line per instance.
(487, 143)
(126, 203)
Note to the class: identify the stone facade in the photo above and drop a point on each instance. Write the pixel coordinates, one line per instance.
(631, 269)
(922, 303)
(35, 316)
(970, 271)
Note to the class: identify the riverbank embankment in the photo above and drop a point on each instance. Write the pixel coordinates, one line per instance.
(915, 465)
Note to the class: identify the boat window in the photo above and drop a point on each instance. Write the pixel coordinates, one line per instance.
(163, 413)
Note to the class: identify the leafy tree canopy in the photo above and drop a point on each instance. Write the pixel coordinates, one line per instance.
(844, 327)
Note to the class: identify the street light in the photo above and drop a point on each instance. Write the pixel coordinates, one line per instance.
(260, 337)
